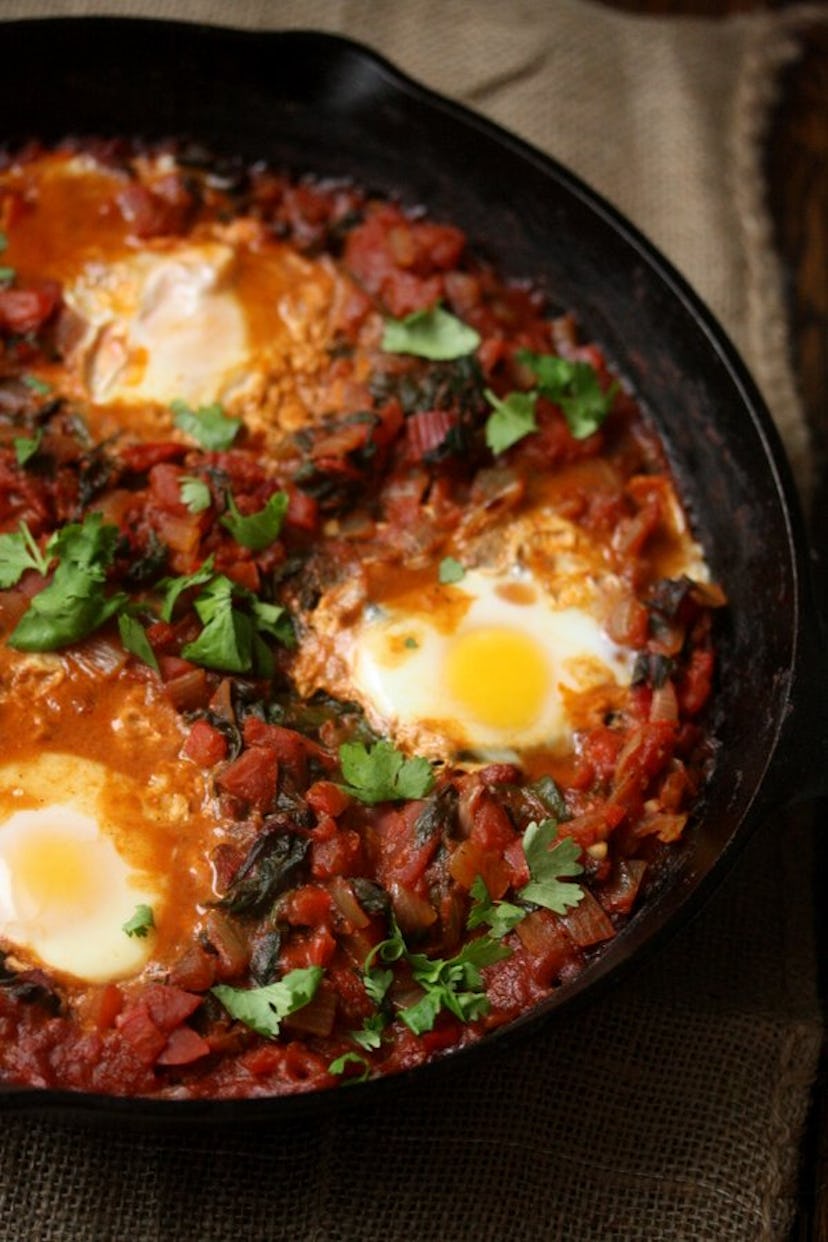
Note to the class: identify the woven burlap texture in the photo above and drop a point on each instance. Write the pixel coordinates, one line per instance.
(672, 1108)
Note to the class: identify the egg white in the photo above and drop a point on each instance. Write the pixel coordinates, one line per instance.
(66, 888)
(492, 680)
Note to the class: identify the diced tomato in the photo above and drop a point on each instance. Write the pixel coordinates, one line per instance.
(142, 457)
(141, 1033)
(491, 826)
(302, 511)
(165, 487)
(183, 1047)
(252, 778)
(315, 949)
(27, 310)
(426, 431)
(339, 854)
(205, 745)
(472, 859)
(308, 906)
(402, 859)
(327, 798)
(601, 748)
(289, 747)
(167, 1006)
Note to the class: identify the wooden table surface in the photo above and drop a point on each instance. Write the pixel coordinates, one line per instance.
(797, 168)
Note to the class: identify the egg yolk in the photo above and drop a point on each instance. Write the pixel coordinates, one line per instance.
(499, 675)
(53, 870)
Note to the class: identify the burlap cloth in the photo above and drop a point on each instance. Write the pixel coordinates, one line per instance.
(673, 1107)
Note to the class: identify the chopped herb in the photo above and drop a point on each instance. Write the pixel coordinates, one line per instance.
(411, 643)
(37, 385)
(435, 334)
(141, 923)
(513, 418)
(134, 638)
(547, 867)
(369, 1036)
(19, 552)
(174, 587)
(340, 1064)
(208, 425)
(75, 602)
(25, 447)
(264, 1009)
(383, 774)
(454, 983)
(7, 275)
(575, 387)
(500, 916)
(4, 241)
(450, 571)
(257, 531)
(272, 865)
(195, 494)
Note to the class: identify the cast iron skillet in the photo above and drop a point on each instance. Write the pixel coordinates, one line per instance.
(318, 103)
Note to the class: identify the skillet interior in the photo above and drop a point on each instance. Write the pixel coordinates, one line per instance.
(315, 102)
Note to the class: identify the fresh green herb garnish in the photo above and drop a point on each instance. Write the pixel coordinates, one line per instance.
(339, 1065)
(369, 1036)
(548, 868)
(450, 570)
(209, 425)
(454, 983)
(37, 385)
(7, 275)
(500, 916)
(174, 587)
(264, 1009)
(574, 387)
(75, 602)
(383, 774)
(4, 241)
(141, 923)
(257, 531)
(411, 643)
(513, 418)
(19, 552)
(25, 447)
(435, 334)
(234, 620)
(134, 638)
(195, 494)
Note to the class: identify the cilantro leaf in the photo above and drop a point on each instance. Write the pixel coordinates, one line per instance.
(454, 984)
(174, 587)
(513, 418)
(208, 425)
(548, 866)
(134, 638)
(226, 642)
(339, 1065)
(7, 275)
(141, 923)
(435, 334)
(257, 531)
(4, 241)
(19, 552)
(450, 570)
(37, 385)
(575, 387)
(195, 494)
(383, 774)
(75, 602)
(499, 916)
(25, 447)
(234, 621)
(369, 1036)
(263, 1009)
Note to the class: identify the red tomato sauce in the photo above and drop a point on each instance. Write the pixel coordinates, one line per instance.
(371, 926)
